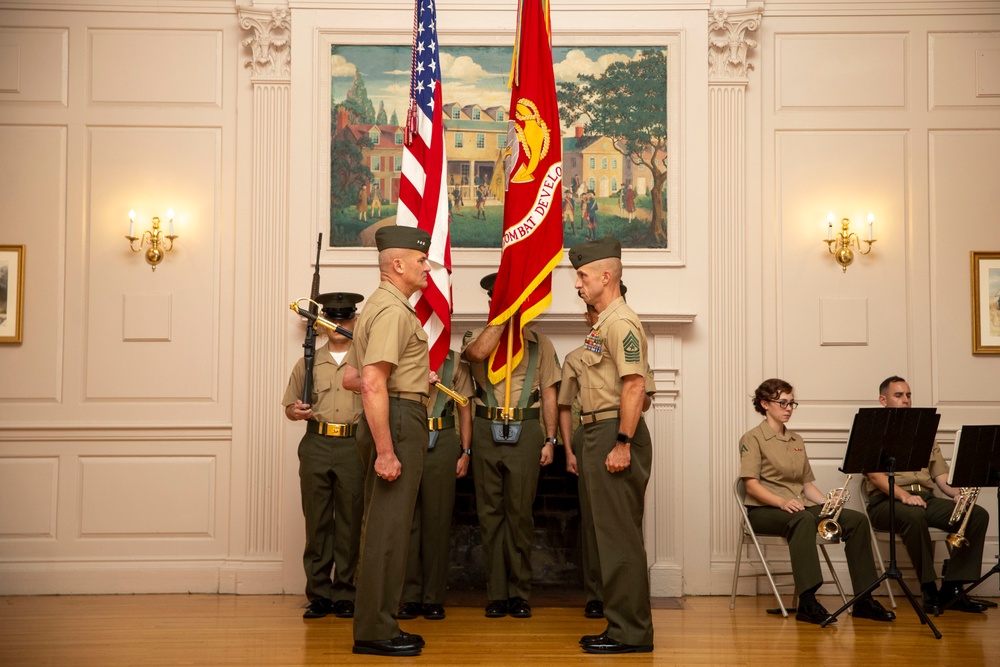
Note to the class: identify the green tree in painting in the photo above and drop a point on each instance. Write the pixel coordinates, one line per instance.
(348, 171)
(628, 104)
(394, 121)
(358, 104)
(380, 117)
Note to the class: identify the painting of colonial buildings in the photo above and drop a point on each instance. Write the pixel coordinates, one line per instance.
(613, 108)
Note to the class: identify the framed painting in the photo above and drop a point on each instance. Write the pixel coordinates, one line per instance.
(619, 167)
(985, 302)
(11, 293)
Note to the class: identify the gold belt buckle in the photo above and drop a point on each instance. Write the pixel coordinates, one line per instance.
(336, 430)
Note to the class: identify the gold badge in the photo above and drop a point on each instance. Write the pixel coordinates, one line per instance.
(533, 136)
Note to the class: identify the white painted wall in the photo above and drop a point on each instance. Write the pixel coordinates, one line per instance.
(124, 458)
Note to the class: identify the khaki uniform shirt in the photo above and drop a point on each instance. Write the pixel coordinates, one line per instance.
(388, 330)
(546, 375)
(569, 388)
(614, 348)
(330, 401)
(924, 477)
(779, 462)
(460, 382)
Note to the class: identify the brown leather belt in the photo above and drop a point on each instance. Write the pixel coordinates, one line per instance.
(517, 414)
(440, 423)
(409, 396)
(331, 430)
(598, 416)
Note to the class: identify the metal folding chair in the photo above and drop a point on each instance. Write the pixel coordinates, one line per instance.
(748, 537)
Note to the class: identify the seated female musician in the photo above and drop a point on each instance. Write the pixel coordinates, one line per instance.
(782, 500)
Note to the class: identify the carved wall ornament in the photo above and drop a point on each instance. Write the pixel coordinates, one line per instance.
(270, 44)
(728, 45)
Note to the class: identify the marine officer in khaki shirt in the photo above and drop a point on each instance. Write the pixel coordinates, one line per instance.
(783, 500)
(390, 358)
(572, 434)
(330, 473)
(917, 508)
(506, 473)
(616, 449)
(448, 454)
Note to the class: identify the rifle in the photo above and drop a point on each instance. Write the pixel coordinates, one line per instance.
(309, 344)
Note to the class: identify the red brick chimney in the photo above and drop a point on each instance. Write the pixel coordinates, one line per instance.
(579, 131)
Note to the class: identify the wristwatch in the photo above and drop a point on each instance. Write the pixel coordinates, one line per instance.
(467, 451)
(622, 438)
(552, 440)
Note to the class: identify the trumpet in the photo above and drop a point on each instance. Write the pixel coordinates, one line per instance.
(828, 528)
(963, 510)
(333, 326)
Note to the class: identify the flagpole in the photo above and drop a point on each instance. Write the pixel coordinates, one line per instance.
(510, 354)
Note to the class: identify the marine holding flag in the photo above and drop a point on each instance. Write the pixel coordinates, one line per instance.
(507, 437)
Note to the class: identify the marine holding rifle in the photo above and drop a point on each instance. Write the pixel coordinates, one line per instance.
(330, 474)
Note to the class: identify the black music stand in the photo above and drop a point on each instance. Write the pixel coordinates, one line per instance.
(976, 464)
(884, 440)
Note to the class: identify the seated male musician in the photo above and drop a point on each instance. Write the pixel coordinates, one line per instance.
(917, 508)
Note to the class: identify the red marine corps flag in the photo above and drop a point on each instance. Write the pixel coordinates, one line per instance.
(423, 200)
(532, 216)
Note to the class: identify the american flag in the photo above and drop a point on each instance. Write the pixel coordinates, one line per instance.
(423, 197)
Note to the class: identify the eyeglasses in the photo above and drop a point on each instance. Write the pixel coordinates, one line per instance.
(785, 404)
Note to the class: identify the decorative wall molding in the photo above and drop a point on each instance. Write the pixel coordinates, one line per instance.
(728, 44)
(268, 258)
(729, 65)
(270, 44)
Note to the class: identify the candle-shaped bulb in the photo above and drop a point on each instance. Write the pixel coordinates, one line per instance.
(131, 223)
(170, 220)
(829, 227)
(871, 224)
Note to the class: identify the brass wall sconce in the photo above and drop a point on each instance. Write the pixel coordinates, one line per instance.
(840, 243)
(159, 243)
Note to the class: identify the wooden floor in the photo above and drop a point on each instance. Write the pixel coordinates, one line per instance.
(172, 630)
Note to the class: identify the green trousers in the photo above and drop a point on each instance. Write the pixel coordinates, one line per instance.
(799, 528)
(617, 502)
(388, 517)
(590, 561)
(430, 537)
(964, 564)
(506, 480)
(332, 483)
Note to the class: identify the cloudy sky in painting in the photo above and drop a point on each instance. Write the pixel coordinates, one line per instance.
(470, 74)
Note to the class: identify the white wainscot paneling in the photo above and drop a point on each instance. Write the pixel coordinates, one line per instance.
(164, 67)
(843, 321)
(34, 65)
(28, 494)
(160, 328)
(964, 69)
(32, 192)
(840, 71)
(147, 496)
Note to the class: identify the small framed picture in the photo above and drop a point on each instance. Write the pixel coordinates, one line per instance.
(11, 293)
(985, 302)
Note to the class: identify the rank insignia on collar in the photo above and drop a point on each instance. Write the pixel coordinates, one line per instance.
(594, 342)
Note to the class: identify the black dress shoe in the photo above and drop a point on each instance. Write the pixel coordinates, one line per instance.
(608, 645)
(409, 610)
(519, 608)
(812, 612)
(496, 609)
(952, 593)
(594, 609)
(417, 640)
(343, 609)
(433, 612)
(869, 607)
(930, 602)
(318, 608)
(594, 639)
(401, 646)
